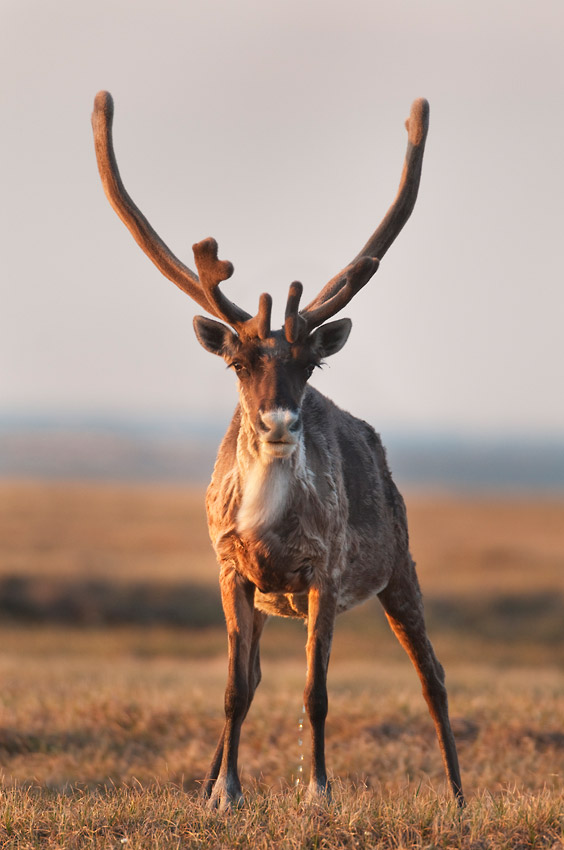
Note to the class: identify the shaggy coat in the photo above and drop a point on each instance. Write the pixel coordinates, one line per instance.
(329, 511)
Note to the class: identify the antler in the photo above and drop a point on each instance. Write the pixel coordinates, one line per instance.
(204, 289)
(341, 288)
(301, 324)
(212, 271)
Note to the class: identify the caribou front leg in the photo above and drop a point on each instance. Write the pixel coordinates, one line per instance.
(259, 619)
(237, 596)
(320, 624)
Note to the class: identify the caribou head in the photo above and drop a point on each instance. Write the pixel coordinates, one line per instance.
(273, 367)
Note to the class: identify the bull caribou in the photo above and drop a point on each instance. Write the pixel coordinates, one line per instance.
(303, 514)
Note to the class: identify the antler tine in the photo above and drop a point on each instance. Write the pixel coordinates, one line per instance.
(294, 324)
(417, 126)
(264, 314)
(212, 271)
(147, 238)
(354, 278)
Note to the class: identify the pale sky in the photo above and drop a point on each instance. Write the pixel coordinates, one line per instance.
(277, 127)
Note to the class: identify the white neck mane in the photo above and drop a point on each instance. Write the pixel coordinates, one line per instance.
(267, 483)
(266, 490)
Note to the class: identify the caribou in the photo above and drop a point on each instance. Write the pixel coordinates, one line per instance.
(303, 513)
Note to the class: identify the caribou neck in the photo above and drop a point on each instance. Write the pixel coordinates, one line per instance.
(267, 483)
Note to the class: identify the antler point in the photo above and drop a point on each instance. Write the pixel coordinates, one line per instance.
(417, 124)
(104, 102)
(206, 246)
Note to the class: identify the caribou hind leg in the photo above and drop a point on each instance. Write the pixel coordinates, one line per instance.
(404, 609)
(259, 619)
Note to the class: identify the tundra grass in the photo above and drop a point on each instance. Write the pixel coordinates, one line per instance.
(110, 751)
(107, 729)
(164, 816)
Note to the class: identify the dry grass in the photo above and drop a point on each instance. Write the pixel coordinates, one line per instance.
(163, 816)
(159, 532)
(106, 733)
(69, 718)
(105, 555)
(102, 747)
(463, 545)
(104, 531)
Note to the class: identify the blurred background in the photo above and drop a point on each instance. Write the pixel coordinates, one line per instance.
(277, 128)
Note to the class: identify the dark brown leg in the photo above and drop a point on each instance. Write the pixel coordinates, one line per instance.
(259, 619)
(404, 609)
(237, 596)
(320, 623)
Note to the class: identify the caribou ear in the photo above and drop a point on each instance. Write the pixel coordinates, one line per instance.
(213, 336)
(329, 339)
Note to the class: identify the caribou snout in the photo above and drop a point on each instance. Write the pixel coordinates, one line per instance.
(279, 431)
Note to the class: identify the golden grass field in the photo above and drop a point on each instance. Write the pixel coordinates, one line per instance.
(113, 660)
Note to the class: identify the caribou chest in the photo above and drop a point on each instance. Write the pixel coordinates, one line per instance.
(280, 541)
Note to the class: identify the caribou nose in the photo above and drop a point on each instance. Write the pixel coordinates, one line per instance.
(279, 425)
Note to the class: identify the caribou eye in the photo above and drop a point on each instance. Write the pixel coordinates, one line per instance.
(239, 369)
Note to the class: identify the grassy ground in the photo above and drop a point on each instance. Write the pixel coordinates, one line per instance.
(102, 745)
(106, 730)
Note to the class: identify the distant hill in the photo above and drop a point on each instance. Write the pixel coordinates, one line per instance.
(107, 450)
(177, 451)
(478, 464)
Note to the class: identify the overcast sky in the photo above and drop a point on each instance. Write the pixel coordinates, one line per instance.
(278, 128)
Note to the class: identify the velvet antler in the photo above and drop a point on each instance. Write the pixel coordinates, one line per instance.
(341, 288)
(203, 289)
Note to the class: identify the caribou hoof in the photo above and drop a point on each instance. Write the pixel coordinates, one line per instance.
(318, 792)
(225, 796)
